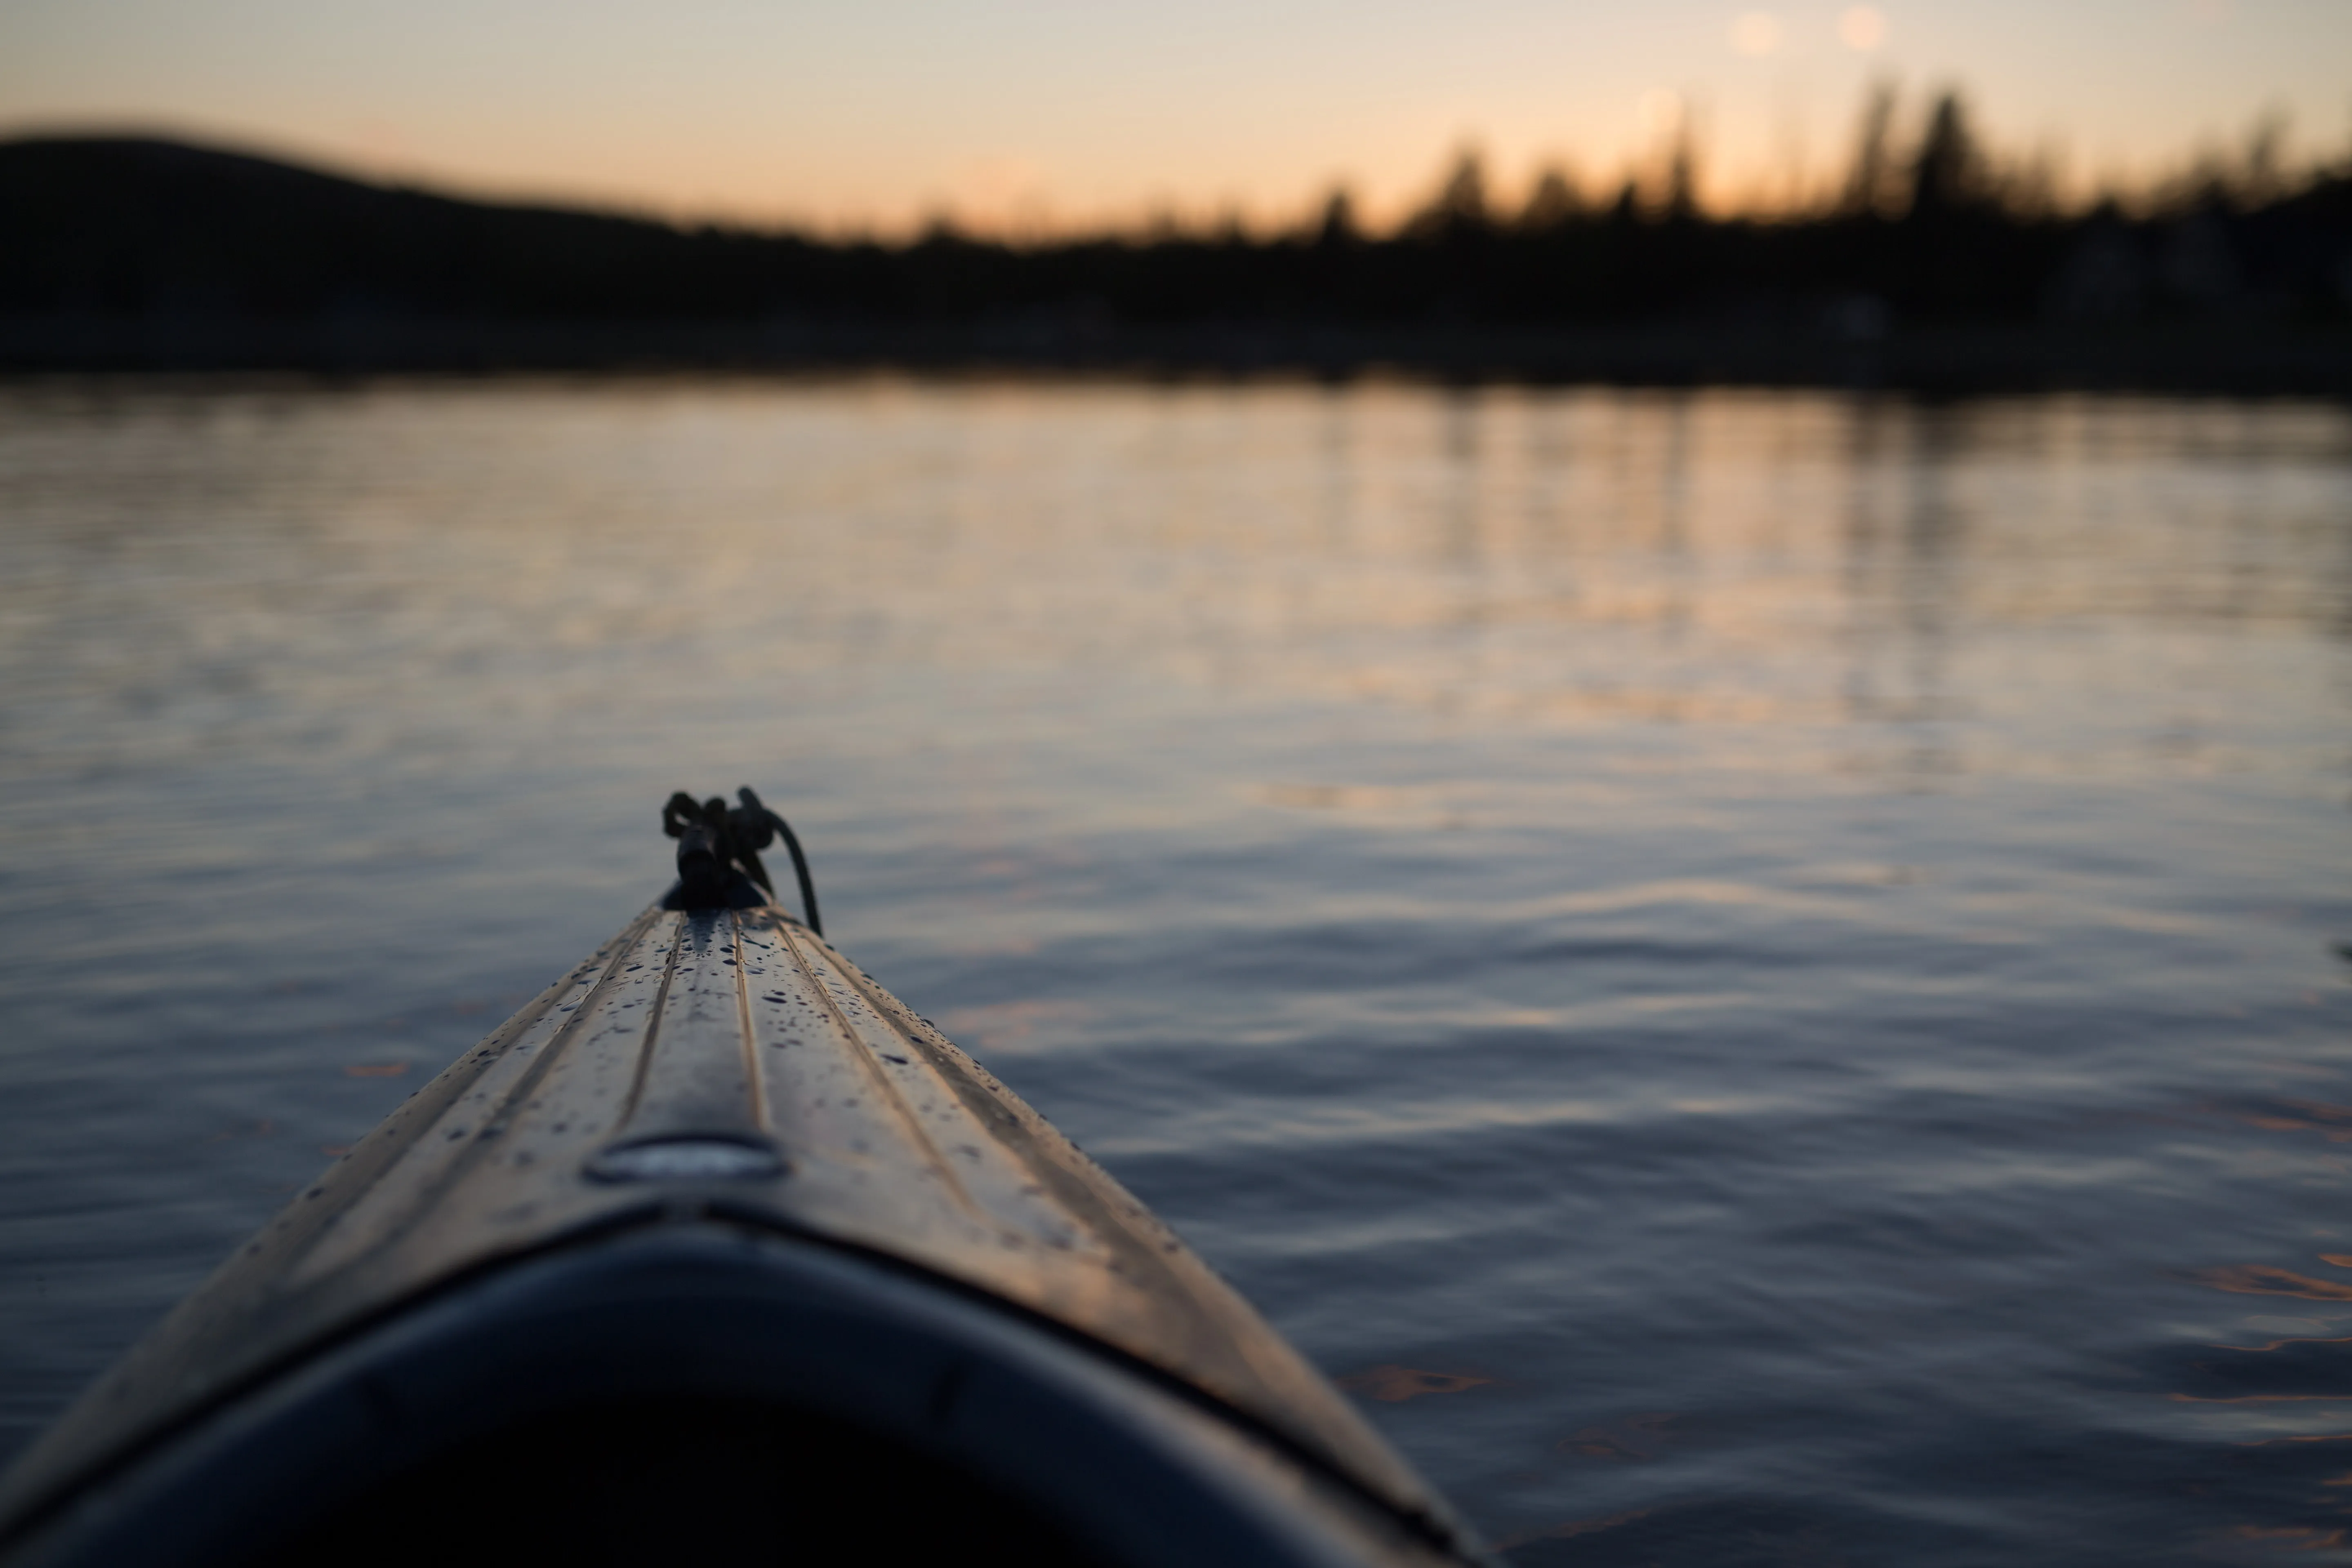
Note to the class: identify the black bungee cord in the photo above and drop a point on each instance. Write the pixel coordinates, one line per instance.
(717, 842)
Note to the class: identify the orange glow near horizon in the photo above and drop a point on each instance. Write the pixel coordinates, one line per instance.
(1043, 116)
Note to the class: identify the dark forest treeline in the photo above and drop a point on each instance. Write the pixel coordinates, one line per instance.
(136, 251)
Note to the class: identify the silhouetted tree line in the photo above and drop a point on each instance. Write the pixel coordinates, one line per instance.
(1935, 231)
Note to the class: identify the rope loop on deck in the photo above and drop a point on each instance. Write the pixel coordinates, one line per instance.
(717, 842)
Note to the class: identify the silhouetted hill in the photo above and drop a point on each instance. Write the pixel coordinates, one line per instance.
(131, 227)
(128, 252)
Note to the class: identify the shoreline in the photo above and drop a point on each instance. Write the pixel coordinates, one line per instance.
(2241, 358)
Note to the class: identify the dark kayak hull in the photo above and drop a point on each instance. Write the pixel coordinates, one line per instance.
(716, 1181)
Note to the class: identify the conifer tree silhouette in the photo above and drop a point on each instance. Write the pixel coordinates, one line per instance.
(1948, 176)
(1460, 209)
(1865, 188)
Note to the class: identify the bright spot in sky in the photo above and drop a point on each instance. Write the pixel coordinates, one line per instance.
(1862, 27)
(1756, 32)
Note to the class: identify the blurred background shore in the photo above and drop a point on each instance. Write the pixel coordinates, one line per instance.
(1933, 262)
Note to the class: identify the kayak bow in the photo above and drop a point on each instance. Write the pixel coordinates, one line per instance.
(717, 1249)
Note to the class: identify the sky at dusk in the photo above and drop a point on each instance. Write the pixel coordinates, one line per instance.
(1039, 115)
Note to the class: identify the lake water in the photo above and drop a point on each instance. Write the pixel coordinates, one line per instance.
(1758, 973)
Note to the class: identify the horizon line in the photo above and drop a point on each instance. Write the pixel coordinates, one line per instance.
(1647, 179)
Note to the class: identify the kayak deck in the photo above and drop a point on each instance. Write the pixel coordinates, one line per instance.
(728, 1071)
